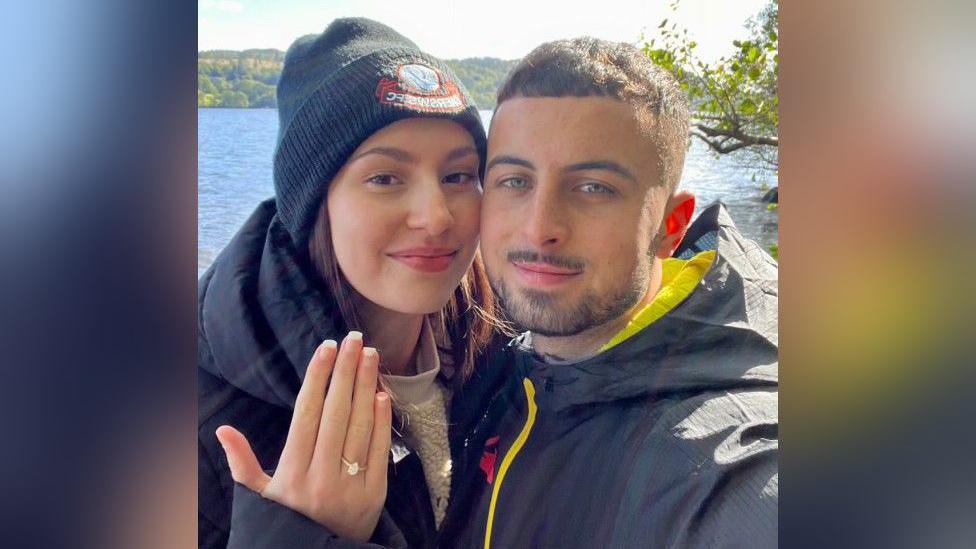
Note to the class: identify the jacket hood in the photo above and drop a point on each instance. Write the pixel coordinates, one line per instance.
(722, 336)
(261, 314)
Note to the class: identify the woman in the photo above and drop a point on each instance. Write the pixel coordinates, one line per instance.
(373, 229)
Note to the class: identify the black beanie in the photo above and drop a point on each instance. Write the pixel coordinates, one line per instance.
(338, 88)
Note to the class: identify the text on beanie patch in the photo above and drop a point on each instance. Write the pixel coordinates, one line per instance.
(421, 88)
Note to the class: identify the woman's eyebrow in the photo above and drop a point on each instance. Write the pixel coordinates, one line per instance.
(460, 152)
(399, 155)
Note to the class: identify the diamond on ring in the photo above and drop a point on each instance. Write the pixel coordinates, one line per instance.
(352, 468)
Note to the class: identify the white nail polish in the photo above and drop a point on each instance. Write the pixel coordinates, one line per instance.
(355, 335)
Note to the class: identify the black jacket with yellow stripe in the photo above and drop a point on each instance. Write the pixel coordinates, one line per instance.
(667, 438)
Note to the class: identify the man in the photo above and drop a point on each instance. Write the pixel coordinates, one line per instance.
(643, 408)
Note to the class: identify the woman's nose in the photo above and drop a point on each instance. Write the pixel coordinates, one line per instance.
(430, 211)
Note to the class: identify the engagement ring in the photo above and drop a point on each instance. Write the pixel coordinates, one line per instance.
(352, 468)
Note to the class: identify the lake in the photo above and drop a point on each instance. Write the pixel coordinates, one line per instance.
(235, 148)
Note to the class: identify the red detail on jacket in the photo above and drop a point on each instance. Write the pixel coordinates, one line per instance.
(488, 459)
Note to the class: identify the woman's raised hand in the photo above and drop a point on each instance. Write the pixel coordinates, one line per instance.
(333, 466)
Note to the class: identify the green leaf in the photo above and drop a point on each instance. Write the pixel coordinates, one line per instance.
(665, 22)
(754, 73)
(753, 54)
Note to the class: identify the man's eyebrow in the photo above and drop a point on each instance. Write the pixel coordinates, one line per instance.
(608, 165)
(507, 159)
(461, 152)
(399, 155)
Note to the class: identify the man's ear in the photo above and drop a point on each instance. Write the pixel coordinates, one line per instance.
(681, 206)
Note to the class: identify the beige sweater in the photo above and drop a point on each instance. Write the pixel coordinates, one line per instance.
(422, 402)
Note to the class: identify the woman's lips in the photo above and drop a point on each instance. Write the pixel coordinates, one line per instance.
(427, 260)
(543, 274)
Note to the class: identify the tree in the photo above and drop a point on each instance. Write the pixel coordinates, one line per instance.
(233, 99)
(206, 86)
(735, 103)
(258, 94)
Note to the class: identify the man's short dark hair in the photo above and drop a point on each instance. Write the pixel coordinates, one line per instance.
(587, 67)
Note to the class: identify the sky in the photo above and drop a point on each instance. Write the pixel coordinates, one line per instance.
(451, 29)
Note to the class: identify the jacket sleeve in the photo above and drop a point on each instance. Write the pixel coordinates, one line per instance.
(211, 517)
(213, 505)
(259, 523)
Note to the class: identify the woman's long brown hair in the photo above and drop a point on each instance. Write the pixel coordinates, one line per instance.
(467, 322)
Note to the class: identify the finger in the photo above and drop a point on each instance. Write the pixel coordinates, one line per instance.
(360, 429)
(304, 429)
(379, 445)
(338, 401)
(244, 466)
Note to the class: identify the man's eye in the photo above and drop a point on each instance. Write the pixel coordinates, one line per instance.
(598, 188)
(514, 183)
(459, 178)
(383, 180)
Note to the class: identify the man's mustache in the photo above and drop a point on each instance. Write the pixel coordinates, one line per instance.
(529, 256)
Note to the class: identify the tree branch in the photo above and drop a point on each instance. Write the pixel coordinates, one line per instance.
(743, 138)
(719, 145)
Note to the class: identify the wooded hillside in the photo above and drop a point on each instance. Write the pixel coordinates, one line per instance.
(243, 79)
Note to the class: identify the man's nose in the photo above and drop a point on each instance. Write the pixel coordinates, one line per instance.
(545, 224)
(429, 210)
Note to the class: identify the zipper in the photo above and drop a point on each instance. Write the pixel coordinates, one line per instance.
(510, 456)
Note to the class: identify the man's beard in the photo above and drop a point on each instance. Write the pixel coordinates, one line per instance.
(541, 312)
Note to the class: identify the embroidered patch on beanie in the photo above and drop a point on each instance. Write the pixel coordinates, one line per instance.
(421, 88)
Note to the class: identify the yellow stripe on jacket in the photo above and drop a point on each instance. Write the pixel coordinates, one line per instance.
(510, 456)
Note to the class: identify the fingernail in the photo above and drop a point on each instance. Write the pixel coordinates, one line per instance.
(327, 344)
(369, 351)
(354, 335)
(382, 397)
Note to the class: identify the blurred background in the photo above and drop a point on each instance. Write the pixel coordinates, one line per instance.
(98, 160)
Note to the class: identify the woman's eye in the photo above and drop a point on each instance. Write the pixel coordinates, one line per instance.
(597, 188)
(514, 183)
(459, 178)
(383, 180)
